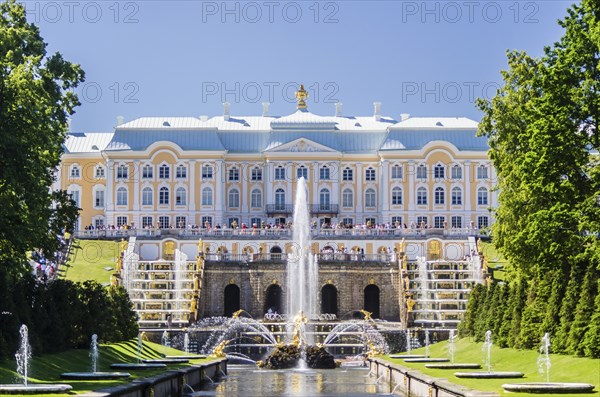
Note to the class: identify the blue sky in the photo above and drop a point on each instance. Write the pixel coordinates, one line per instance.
(184, 58)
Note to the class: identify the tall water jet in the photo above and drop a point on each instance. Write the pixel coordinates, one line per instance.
(140, 347)
(451, 345)
(23, 355)
(302, 269)
(408, 342)
(543, 361)
(487, 350)
(186, 342)
(164, 339)
(427, 343)
(94, 353)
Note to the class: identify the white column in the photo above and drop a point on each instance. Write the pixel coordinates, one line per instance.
(244, 193)
(411, 188)
(315, 183)
(384, 188)
(268, 183)
(136, 193)
(359, 193)
(192, 189)
(219, 189)
(467, 175)
(109, 199)
(335, 184)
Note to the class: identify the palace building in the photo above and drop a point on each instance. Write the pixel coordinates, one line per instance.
(177, 172)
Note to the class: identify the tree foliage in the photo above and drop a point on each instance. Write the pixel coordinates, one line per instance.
(543, 133)
(36, 98)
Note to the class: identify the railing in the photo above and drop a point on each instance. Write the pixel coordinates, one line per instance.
(279, 209)
(355, 257)
(275, 233)
(324, 208)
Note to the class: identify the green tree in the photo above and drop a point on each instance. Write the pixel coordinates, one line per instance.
(583, 312)
(36, 98)
(591, 339)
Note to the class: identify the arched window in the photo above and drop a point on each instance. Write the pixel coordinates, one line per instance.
(99, 198)
(329, 299)
(421, 196)
(273, 301)
(231, 297)
(439, 172)
(164, 171)
(234, 198)
(122, 196)
(372, 300)
(180, 196)
(324, 199)
(207, 196)
(256, 198)
(147, 196)
(163, 195)
(279, 199)
(456, 196)
(370, 198)
(181, 172)
(439, 196)
(396, 196)
(456, 172)
(347, 198)
(482, 196)
(324, 173)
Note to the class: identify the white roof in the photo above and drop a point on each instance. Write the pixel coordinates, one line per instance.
(158, 123)
(89, 142)
(437, 123)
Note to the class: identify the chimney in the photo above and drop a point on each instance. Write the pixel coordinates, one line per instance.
(265, 106)
(226, 106)
(377, 113)
(338, 109)
(404, 116)
(119, 120)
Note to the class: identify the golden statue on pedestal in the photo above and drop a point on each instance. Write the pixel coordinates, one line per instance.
(237, 313)
(219, 350)
(410, 303)
(301, 96)
(298, 324)
(200, 247)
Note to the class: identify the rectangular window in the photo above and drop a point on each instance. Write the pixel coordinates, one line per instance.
(164, 172)
(279, 173)
(75, 172)
(75, 196)
(482, 172)
(180, 222)
(370, 174)
(456, 222)
(302, 173)
(147, 221)
(122, 172)
(396, 172)
(347, 174)
(255, 222)
(371, 221)
(256, 174)
(421, 220)
(456, 172)
(163, 222)
(421, 172)
(99, 223)
(324, 173)
(348, 221)
(207, 172)
(482, 222)
(147, 172)
(234, 174)
(100, 172)
(99, 201)
(121, 221)
(181, 172)
(397, 221)
(207, 221)
(438, 222)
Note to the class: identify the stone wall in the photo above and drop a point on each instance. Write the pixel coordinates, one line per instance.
(254, 278)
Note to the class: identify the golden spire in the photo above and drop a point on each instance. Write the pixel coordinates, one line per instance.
(301, 95)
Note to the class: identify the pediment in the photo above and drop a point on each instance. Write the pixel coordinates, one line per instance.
(301, 145)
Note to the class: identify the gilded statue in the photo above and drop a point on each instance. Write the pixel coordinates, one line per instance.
(366, 314)
(410, 303)
(301, 96)
(219, 350)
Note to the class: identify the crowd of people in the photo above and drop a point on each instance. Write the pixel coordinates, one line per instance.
(46, 265)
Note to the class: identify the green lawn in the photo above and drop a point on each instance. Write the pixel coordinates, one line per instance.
(90, 260)
(563, 369)
(47, 368)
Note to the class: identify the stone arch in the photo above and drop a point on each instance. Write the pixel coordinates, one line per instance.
(371, 301)
(329, 297)
(274, 299)
(231, 300)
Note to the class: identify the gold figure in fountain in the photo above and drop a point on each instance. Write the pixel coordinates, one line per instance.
(298, 324)
(219, 350)
(374, 350)
(237, 313)
(366, 314)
